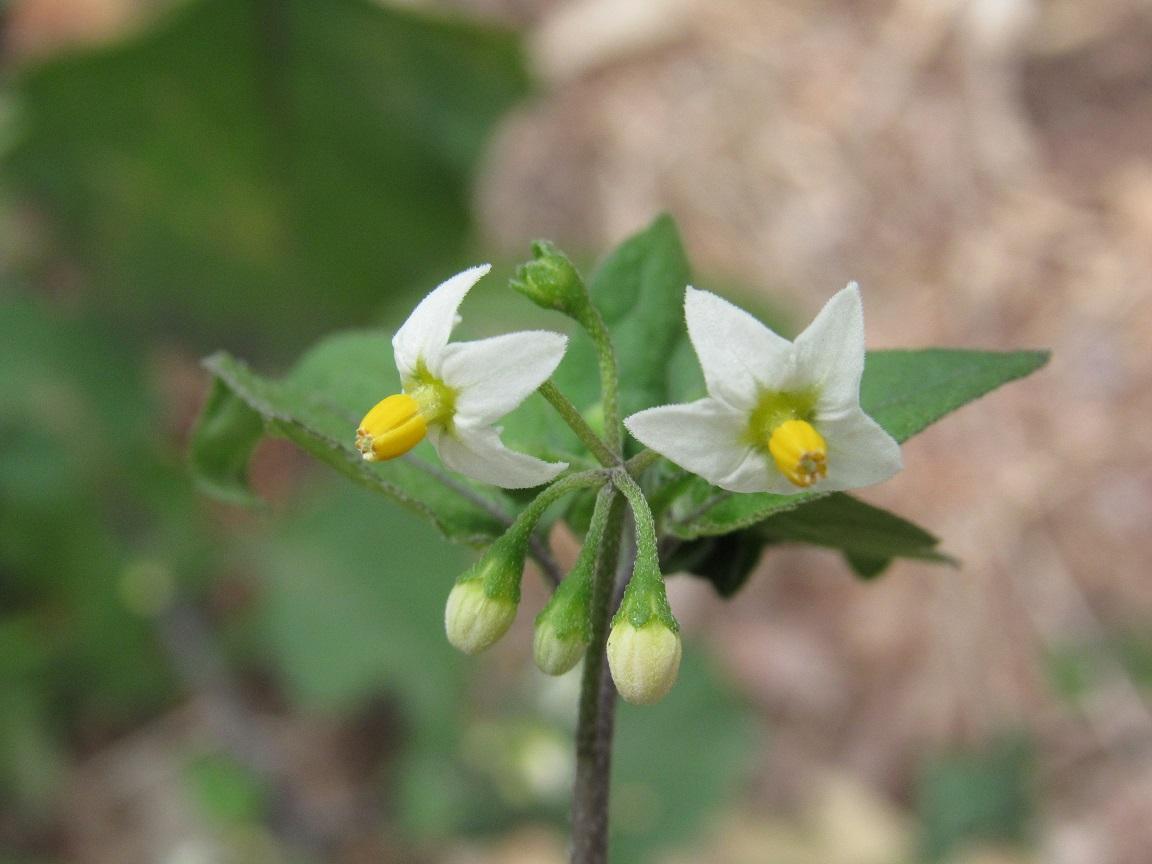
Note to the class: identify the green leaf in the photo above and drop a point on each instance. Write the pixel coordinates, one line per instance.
(266, 170)
(222, 442)
(726, 560)
(865, 566)
(907, 391)
(842, 522)
(354, 593)
(868, 536)
(904, 391)
(317, 407)
(639, 289)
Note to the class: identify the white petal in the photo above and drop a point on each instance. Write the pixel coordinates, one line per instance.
(425, 333)
(480, 454)
(493, 376)
(860, 452)
(739, 355)
(830, 353)
(705, 437)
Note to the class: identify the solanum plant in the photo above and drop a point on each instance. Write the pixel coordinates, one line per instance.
(762, 452)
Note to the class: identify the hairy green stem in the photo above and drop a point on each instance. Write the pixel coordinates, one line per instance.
(592, 321)
(646, 544)
(576, 422)
(642, 461)
(597, 704)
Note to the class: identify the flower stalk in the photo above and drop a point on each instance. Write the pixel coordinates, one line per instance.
(597, 702)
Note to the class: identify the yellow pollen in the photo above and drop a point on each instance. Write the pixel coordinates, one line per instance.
(800, 452)
(392, 428)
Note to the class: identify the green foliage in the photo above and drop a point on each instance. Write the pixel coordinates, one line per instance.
(660, 799)
(226, 434)
(354, 593)
(869, 537)
(842, 522)
(206, 173)
(976, 797)
(904, 391)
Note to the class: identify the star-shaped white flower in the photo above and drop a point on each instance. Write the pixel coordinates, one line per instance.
(455, 392)
(780, 416)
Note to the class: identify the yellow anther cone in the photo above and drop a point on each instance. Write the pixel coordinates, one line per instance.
(392, 428)
(799, 451)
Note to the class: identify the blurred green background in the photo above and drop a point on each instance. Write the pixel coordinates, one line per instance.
(186, 682)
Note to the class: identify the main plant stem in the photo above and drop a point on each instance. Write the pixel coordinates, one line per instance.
(597, 706)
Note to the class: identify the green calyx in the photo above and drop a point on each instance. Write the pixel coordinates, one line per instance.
(774, 408)
(567, 613)
(436, 399)
(500, 569)
(551, 281)
(646, 601)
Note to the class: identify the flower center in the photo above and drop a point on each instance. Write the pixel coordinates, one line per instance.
(393, 427)
(400, 422)
(781, 424)
(799, 451)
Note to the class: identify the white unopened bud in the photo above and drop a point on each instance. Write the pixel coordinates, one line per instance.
(556, 654)
(473, 620)
(644, 661)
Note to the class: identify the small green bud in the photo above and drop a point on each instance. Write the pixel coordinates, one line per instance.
(564, 626)
(550, 280)
(644, 660)
(482, 605)
(473, 620)
(556, 653)
(644, 645)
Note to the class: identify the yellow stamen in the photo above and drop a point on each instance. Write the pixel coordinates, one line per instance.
(800, 452)
(392, 428)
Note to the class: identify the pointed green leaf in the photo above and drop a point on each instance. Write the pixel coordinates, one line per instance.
(222, 443)
(907, 391)
(904, 391)
(839, 521)
(869, 537)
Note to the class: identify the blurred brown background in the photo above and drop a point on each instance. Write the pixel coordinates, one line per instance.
(984, 169)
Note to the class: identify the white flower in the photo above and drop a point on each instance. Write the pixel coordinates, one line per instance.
(455, 392)
(780, 416)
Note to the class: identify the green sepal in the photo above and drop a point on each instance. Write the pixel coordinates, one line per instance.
(551, 281)
(646, 599)
(500, 568)
(569, 609)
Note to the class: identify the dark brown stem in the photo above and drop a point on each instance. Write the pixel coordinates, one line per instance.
(598, 703)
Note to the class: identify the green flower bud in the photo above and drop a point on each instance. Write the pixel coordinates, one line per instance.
(644, 660)
(564, 626)
(550, 280)
(644, 645)
(556, 653)
(482, 605)
(473, 620)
